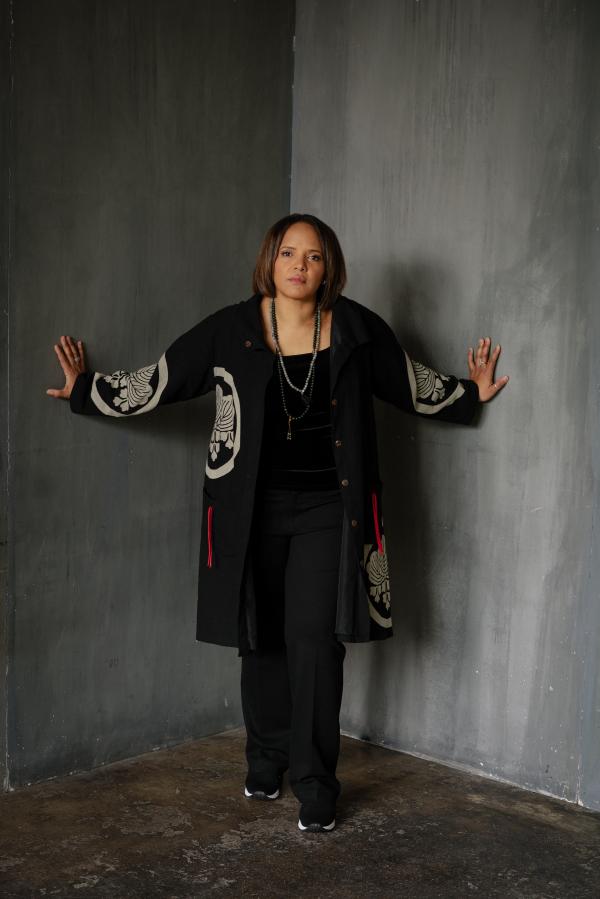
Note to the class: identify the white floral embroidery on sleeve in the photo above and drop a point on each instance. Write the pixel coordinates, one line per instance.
(133, 387)
(430, 383)
(125, 393)
(431, 390)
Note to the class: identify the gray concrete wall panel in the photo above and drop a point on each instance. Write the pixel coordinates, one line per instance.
(455, 151)
(152, 145)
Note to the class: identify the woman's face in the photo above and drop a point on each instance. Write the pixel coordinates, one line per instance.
(299, 267)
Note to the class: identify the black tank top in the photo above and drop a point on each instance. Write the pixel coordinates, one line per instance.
(306, 462)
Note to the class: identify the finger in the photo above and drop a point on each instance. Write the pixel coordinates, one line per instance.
(67, 349)
(481, 354)
(63, 360)
(470, 362)
(483, 351)
(486, 348)
(493, 360)
(499, 384)
(76, 348)
(56, 393)
(77, 354)
(80, 349)
(72, 347)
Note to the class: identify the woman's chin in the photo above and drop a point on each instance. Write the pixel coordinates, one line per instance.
(296, 292)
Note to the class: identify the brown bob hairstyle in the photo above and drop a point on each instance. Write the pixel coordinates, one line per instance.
(335, 267)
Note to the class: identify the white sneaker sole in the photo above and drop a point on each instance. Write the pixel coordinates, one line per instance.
(316, 828)
(260, 794)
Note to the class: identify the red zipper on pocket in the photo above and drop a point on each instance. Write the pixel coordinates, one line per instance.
(209, 561)
(376, 520)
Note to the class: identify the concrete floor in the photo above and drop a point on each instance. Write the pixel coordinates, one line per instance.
(175, 824)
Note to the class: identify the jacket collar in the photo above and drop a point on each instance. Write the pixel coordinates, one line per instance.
(348, 330)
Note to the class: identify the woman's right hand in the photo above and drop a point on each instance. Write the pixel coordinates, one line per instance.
(71, 359)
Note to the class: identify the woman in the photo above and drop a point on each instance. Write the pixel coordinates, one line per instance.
(292, 552)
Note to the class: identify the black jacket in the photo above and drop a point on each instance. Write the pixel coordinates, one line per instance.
(226, 352)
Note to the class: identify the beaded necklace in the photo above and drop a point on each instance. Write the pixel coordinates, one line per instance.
(310, 378)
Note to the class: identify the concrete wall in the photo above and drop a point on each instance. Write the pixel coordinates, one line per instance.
(150, 149)
(589, 406)
(5, 113)
(455, 151)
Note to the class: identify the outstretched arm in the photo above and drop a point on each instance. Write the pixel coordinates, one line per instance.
(183, 371)
(415, 388)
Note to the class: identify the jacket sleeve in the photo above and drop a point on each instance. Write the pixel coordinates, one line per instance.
(183, 371)
(415, 388)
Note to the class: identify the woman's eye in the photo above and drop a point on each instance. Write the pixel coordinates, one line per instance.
(285, 252)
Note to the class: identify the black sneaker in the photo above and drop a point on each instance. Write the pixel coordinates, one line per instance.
(317, 817)
(259, 788)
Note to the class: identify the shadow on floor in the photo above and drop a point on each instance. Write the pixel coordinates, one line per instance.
(176, 824)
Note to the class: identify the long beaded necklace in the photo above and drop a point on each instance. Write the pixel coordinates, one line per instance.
(310, 378)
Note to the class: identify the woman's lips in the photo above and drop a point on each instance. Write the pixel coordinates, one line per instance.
(297, 280)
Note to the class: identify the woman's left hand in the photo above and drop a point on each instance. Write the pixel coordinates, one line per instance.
(481, 369)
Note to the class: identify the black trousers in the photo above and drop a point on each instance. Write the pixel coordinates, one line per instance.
(291, 685)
